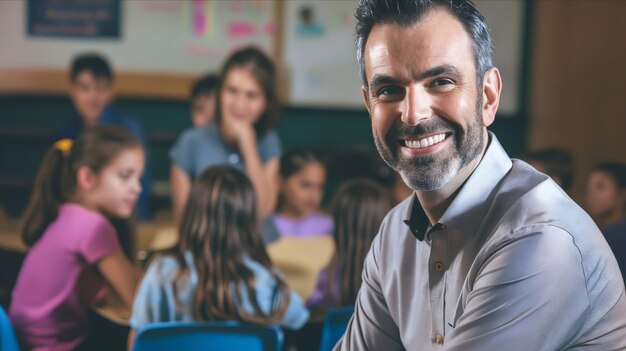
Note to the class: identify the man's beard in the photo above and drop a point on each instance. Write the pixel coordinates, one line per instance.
(432, 172)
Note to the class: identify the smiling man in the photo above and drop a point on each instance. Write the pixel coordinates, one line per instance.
(488, 254)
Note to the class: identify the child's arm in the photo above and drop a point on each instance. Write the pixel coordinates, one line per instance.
(264, 177)
(120, 275)
(131, 339)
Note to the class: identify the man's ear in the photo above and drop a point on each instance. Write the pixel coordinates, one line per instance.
(86, 178)
(492, 88)
(366, 98)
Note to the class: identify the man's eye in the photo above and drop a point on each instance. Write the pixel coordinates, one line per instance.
(441, 82)
(390, 91)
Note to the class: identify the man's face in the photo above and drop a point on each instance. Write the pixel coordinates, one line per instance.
(424, 101)
(91, 96)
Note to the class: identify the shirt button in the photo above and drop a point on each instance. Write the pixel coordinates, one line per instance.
(438, 339)
(233, 158)
(439, 266)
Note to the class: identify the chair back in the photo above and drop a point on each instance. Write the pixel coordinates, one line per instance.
(214, 336)
(8, 342)
(334, 326)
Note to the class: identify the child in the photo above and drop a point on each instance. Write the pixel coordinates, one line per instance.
(203, 101)
(606, 195)
(80, 189)
(358, 210)
(219, 270)
(302, 178)
(92, 94)
(606, 203)
(242, 135)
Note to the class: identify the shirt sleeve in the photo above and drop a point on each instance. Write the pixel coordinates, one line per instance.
(270, 146)
(267, 296)
(99, 241)
(371, 326)
(530, 295)
(182, 152)
(297, 314)
(150, 303)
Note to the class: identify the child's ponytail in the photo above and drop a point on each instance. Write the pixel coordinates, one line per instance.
(48, 193)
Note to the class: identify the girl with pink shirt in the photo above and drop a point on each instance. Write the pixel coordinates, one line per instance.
(77, 226)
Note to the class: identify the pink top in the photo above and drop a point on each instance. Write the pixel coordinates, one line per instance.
(58, 282)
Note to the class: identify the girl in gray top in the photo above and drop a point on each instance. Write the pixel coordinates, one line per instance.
(241, 136)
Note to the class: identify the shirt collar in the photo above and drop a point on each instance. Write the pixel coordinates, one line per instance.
(466, 211)
(418, 221)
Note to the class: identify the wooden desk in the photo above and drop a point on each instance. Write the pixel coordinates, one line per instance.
(301, 260)
(113, 309)
(10, 236)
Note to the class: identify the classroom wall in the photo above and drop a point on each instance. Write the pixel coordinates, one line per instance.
(27, 124)
(577, 88)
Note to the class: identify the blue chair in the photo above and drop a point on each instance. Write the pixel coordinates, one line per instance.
(7, 336)
(214, 336)
(334, 326)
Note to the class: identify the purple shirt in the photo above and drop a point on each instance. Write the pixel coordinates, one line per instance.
(315, 224)
(58, 282)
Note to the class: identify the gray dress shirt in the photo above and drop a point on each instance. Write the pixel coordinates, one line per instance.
(513, 264)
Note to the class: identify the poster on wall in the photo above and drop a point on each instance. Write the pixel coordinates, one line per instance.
(217, 28)
(319, 53)
(74, 18)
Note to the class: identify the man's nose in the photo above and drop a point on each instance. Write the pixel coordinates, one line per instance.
(416, 106)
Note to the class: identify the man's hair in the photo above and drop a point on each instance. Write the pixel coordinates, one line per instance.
(204, 86)
(556, 162)
(92, 63)
(405, 13)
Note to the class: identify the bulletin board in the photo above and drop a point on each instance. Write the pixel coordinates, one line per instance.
(163, 46)
(172, 40)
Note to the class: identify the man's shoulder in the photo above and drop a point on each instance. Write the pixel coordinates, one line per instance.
(531, 198)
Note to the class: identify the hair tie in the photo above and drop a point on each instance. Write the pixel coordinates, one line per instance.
(64, 145)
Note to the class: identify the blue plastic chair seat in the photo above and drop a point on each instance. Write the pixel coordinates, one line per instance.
(215, 336)
(8, 342)
(334, 326)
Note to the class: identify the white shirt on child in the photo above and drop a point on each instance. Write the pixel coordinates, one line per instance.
(156, 302)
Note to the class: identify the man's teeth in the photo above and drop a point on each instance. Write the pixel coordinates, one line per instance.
(426, 142)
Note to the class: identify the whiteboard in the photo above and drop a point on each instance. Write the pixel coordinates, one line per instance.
(165, 36)
(322, 66)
